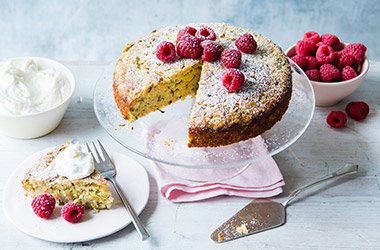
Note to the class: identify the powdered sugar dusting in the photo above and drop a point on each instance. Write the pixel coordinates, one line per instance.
(44, 169)
(267, 76)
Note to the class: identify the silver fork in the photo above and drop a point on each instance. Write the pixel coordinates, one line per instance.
(108, 170)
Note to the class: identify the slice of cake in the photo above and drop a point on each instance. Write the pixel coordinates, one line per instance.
(143, 84)
(90, 189)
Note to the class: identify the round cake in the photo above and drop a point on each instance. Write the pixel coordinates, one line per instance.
(143, 84)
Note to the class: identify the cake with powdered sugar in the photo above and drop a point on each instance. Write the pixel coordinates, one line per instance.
(219, 116)
(90, 191)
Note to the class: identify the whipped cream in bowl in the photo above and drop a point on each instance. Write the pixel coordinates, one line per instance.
(34, 95)
(74, 163)
(26, 88)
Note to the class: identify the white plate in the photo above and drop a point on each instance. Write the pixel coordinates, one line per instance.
(131, 177)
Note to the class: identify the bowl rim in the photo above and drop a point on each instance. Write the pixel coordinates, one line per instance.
(363, 72)
(69, 76)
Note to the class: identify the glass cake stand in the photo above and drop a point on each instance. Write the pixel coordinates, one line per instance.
(161, 136)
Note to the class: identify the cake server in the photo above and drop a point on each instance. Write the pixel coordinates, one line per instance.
(264, 214)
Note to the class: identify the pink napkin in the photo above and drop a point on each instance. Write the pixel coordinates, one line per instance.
(259, 180)
(165, 140)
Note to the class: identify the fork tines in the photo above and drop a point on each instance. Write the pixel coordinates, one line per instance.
(99, 153)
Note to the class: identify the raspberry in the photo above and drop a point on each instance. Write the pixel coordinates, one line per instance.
(72, 212)
(312, 62)
(246, 43)
(306, 48)
(342, 60)
(314, 75)
(231, 58)
(312, 36)
(205, 33)
(189, 47)
(329, 73)
(325, 54)
(211, 50)
(43, 205)
(187, 30)
(300, 60)
(356, 50)
(233, 79)
(331, 40)
(348, 73)
(336, 119)
(357, 110)
(320, 44)
(165, 51)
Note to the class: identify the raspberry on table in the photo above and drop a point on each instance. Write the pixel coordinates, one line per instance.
(342, 60)
(357, 110)
(356, 50)
(348, 73)
(187, 30)
(329, 73)
(325, 54)
(331, 40)
(246, 43)
(211, 50)
(336, 119)
(205, 33)
(306, 48)
(300, 60)
(233, 79)
(72, 212)
(314, 75)
(165, 51)
(312, 62)
(231, 58)
(312, 36)
(43, 205)
(189, 47)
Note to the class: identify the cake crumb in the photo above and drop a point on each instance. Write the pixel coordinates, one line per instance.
(242, 229)
(170, 143)
(220, 237)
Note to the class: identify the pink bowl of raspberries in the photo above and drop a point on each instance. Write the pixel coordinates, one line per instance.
(334, 68)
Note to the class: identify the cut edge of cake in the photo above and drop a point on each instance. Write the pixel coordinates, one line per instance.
(160, 94)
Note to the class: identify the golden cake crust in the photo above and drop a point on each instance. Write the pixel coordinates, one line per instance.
(217, 117)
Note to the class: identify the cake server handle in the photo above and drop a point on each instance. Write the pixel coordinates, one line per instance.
(348, 169)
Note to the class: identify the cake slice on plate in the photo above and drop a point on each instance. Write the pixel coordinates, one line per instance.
(66, 173)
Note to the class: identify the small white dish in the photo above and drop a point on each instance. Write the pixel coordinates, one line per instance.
(330, 93)
(132, 178)
(39, 124)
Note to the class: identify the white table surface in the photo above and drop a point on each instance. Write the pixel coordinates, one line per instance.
(342, 214)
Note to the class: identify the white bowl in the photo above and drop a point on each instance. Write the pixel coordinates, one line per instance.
(39, 124)
(330, 93)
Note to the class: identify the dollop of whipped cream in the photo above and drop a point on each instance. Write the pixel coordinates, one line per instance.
(74, 163)
(26, 88)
